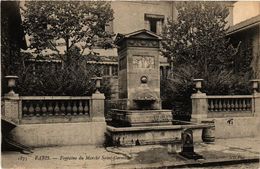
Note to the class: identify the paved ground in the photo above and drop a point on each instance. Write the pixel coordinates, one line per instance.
(73, 157)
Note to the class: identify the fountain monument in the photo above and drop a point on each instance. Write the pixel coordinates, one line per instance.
(137, 116)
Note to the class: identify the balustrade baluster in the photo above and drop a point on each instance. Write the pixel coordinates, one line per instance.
(244, 104)
(56, 109)
(44, 109)
(224, 104)
(236, 104)
(232, 106)
(69, 109)
(249, 104)
(37, 110)
(228, 105)
(80, 108)
(62, 109)
(208, 106)
(74, 108)
(220, 105)
(216, 105)
(31, 109)
(211, 106)
(240, 106)
(50, 109)
(86, 108)
(25, 109)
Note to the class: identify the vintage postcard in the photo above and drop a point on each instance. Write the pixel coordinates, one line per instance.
(130, 84)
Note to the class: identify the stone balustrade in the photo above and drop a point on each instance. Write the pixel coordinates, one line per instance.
(53, 109)
(239, 103)
(205, 106)
(54, 106)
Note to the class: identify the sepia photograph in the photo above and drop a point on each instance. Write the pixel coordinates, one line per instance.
(130, 84)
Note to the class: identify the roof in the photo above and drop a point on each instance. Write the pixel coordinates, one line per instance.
(54, 58)
(142, 31)
(140, 34)
(249, 23)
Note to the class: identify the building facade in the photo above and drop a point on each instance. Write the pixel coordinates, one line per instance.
(246, 32)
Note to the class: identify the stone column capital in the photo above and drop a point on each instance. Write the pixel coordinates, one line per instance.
(11, 97)
(98, 96)
(256, 95)
(198, 96)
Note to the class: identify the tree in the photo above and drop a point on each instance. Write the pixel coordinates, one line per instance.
(80, 23)
(198, 37)
(79, 26)
(196, 47)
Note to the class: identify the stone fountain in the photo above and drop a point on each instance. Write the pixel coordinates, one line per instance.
(137, 116)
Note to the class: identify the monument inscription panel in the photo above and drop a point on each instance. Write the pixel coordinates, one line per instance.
(146, 62)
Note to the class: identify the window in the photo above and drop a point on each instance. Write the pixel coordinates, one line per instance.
(153, 26)
(115, 70)
(154, 22)
(105, 70)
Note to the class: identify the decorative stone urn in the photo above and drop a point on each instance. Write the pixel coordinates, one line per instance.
(97, 83)
(11, 84)
(198, 84)
(255, 84)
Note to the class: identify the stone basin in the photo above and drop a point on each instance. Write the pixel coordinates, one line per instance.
(147, 135)
(128, 118)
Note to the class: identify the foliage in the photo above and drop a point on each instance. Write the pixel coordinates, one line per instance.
(69, 22)
(177, 88)
(196, 47)
(51, 26)
(198, 37)
(49, 78)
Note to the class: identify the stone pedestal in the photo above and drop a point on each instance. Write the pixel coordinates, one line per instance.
(11, 108)
(256, 104)
(199, 107)
(97, 114)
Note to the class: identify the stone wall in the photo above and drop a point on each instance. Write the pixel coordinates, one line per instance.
(60, 134)
(236, 127)
(250, 9)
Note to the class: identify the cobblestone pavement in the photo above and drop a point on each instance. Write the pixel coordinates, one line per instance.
(77, 157)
